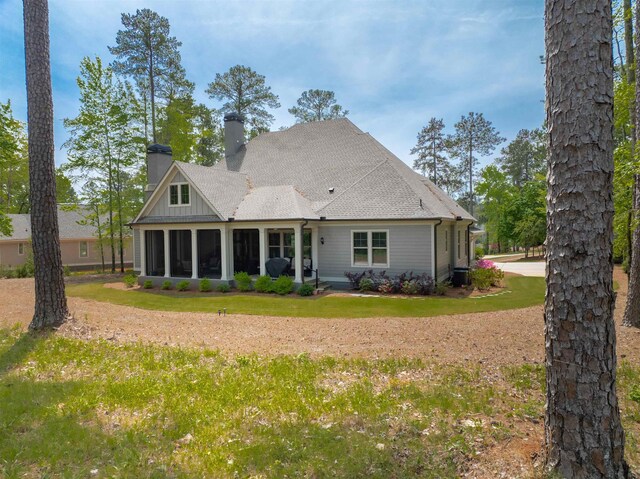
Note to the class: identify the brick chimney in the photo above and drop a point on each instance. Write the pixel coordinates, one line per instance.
(159, 159)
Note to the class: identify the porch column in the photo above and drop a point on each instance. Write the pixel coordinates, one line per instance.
(167, 255)
(314, 249)
(194, 254)
(224, 252)
(298, 240)
(263, 255)
(143, 252)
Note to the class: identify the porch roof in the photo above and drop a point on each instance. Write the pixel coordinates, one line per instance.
(178, 219)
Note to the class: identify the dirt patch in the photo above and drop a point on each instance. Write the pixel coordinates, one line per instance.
(489, 339)
(121, 286)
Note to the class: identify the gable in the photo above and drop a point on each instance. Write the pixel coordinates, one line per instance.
(197, 206)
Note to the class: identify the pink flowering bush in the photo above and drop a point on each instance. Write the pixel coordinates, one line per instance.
(486, 274)
(485, 264)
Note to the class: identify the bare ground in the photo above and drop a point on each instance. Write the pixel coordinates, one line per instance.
(490, 339)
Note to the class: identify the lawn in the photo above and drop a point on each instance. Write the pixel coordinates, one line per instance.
(522, 292)
(73, 408)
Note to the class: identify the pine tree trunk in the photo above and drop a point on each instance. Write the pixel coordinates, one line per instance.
(50, 300)
(584, 436)
(632, 308)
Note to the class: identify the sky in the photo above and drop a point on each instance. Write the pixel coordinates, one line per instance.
(393, 64)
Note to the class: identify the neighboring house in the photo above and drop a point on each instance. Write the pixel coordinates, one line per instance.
(324, 195)
(78, 242)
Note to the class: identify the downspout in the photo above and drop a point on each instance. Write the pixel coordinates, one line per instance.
(435, 249)
(469, 245)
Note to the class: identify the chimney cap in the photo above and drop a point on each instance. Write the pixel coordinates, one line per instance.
(234, 117)
(157, 148)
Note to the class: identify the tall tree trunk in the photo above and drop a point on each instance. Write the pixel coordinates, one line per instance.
(632, 308)
(584, 436)
(153, 95)
(120, 225)
(50, 300)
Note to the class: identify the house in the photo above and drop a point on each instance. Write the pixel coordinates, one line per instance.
(325, 196)
(78, 242)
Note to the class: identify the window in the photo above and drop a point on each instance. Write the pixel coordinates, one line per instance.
(84, 249)
(458, 244)
(289, 250)
(274, 245)
(179, 194)
(20, 249)
(370, 248)
(446, 240)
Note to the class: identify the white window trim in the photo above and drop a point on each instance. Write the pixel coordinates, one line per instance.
(180, 203)
(80, 255)
(20, 249)
(370, 263)
(459, 244)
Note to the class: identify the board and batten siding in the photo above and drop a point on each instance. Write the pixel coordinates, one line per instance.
(409, 246)
(197, 207)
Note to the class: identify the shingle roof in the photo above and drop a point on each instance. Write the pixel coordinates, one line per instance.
(290, 174)
(223, 189)
(70, 223)
(275, 202)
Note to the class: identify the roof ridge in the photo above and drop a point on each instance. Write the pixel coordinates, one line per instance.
(348, 188)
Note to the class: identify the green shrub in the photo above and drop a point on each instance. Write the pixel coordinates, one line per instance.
(148, 284)
(67, 270)
(479, 252)
(484, 278)
(130, 280)
(243, 281)
(306, 289)
(442, 287)
(283, 285)
(27, 269)
(223, 288)
(409, 287)
(183, 285)
(263, 284)
(366, 284)
(205, 285)
(166, 285)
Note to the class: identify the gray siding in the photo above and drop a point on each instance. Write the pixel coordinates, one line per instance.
(197, 207)
(462, 260)
(136, 249)
(409, 249)
(445, 266)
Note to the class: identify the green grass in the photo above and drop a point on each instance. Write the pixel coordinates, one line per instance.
(524, 291)
(69, 407)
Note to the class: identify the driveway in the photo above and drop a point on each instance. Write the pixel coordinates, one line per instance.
(525, 269)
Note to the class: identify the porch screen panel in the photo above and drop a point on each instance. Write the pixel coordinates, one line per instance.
(209, 254)
(154, 253)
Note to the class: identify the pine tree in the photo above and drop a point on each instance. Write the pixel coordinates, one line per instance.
(584, 433)
(50, 299)
(317, 105)
(147, 52)
(474, 136)
(430, 149)
(245, 92)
